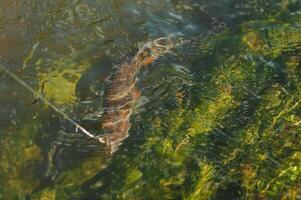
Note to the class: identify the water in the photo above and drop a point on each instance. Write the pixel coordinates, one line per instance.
(218, 118)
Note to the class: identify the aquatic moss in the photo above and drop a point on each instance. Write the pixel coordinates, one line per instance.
(20, 159)
(253, 40)
(84, 171)
(271, 38)
(234, 134)
(237, 139)
(48, 194)
(71, 179)
(204, 186)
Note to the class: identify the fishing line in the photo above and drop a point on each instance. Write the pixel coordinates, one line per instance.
(47, 102)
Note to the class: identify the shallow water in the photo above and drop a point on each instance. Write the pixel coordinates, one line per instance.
(218, 118)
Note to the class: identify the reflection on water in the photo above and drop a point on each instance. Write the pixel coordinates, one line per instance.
(217, 118)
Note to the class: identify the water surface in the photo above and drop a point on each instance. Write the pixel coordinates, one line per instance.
(218, 118)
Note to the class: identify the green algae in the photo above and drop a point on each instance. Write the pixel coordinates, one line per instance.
(20, 159)
(204, 184)
(238, 138)
(67, 74)
(68, 183)
(234, 134)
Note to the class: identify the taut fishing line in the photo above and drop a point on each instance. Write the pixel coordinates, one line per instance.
(179, 41)
(47, 102)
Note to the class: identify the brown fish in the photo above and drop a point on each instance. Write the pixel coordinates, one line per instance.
(120, 92)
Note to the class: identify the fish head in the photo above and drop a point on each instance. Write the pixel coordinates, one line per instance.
(162, 45)
(154, 49)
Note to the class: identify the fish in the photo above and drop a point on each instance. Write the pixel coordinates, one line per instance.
(120, 91)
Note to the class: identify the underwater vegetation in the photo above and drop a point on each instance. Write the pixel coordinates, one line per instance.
(233, 134)
(231, 131)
